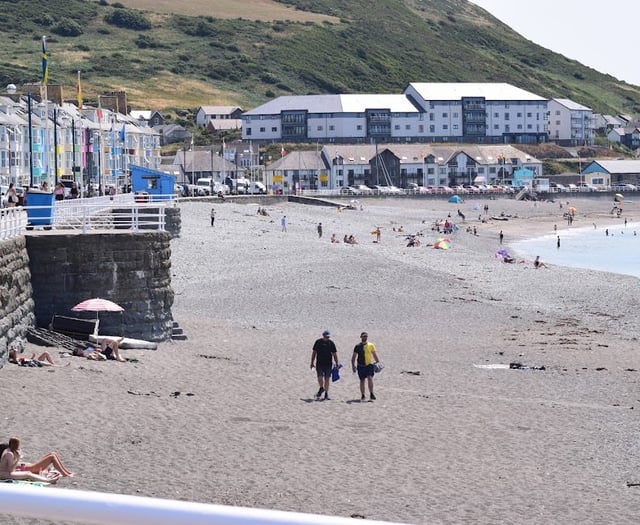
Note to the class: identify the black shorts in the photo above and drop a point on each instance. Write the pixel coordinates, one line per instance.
(365, 371)
(323, 371)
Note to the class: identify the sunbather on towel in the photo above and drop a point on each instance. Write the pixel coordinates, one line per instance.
(44, 359)
(110, 348)
(10, 467)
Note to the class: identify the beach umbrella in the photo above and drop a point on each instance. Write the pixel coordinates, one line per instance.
(442, 244)
(97, 305)
(455, 198)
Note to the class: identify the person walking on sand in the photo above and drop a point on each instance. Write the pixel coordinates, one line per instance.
(501, 236)
(558, 242)
(213, 216)
(283, 223)
(364, 354)
(324, 351)
(319, 230)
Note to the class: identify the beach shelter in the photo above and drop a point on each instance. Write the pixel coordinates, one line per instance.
(442, 244)
(455, 198)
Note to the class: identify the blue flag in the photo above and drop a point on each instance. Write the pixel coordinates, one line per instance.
(121, 134)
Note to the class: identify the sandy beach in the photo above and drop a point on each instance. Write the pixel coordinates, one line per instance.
(228, 416)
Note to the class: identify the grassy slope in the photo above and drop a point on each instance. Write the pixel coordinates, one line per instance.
(244, 52)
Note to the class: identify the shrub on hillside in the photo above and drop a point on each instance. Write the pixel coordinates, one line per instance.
(67, 27)
(128, 19)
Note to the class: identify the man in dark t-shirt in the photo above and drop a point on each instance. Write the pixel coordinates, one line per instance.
(324, 351)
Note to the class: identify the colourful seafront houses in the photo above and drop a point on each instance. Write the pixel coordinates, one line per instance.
(50, 140)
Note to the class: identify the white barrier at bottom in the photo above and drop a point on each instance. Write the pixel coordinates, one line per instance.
(110, 509)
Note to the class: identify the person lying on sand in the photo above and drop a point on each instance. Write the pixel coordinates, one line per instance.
(538, 263)
(44, 359)
(38, 471)
(110, 348)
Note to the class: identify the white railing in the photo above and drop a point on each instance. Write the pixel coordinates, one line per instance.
(13, 222)
(97, 508)
(118, 212)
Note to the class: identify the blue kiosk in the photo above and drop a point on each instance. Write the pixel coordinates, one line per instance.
(157, 184)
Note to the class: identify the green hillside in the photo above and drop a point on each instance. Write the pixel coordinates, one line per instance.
(245, 52)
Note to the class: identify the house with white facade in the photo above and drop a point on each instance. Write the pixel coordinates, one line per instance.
(337, 166)
(219, 117)
(570, 123)
(426, 112)
(485, 113)
(332, 118)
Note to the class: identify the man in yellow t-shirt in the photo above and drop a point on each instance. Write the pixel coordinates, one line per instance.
(365, 354)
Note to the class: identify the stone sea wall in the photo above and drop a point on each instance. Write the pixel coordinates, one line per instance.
(16, 301)
(130, 269)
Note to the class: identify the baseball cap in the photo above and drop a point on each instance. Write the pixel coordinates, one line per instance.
(326, 333)
(364, 334)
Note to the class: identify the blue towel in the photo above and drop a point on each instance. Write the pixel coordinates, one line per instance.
(335, 372)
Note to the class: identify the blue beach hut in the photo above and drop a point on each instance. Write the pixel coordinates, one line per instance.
(157, 184)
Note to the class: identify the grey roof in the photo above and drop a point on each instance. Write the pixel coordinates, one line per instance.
(219, 110)
(299, 160)
(412, 153)
(203, 161)
(619, 166)
(458, 90)
(571, 105)
(335, 104)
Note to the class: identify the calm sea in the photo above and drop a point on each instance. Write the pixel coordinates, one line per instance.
(591, 248)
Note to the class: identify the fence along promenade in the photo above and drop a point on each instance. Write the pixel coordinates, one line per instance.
(118, 212)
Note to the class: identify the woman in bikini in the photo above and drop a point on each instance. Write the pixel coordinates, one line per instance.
(9, 468)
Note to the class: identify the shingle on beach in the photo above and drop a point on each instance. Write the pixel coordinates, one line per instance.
(228, 415)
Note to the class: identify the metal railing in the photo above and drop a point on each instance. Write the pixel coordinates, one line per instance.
(13, 222)
(119, 509)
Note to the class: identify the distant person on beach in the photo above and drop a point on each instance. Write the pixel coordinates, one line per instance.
(213, 216)
(44, 359)
(319, 228)
(11, 468)
(324, 351)
(283, 223)
(334, 239)
(501, 236)
(558, 242)
(364, 354)
(377, 233)
(538, 263)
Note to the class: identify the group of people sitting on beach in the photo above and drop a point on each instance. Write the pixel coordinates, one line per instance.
(48, 469)
(348, 239)
(263, 212)
(445, 226)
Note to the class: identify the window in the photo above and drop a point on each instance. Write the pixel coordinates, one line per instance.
(519, 126)
(359, 127)
(529, 126)
(557, 112)
(248, 130)
(529, 115)
(495, 126)
(506, 116)
(519, 114)
(396, 127)
(407, 126)
(506, 128)
(455, 126)
(332, 128)
(455, 115)
(420, 128)
(496, 115)
(445, 115)
(432, 129)
(445, 126)
(432, 117)
(319, 128)
(274, 129)
(262, 130)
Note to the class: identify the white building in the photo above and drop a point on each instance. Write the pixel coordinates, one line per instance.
(570, 123)
(425, 112)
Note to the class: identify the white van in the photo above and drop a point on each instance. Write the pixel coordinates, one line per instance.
(257, 188)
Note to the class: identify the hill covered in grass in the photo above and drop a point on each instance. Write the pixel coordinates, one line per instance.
(170, 54)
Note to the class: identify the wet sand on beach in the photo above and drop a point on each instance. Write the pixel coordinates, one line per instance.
(228, 416)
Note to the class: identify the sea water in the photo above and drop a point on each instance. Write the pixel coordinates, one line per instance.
(590, 248)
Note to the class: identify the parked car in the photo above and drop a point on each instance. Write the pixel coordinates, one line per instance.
(393, 190)
(384, 190)
(256, 188)
(350, 190)
(364, 189)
